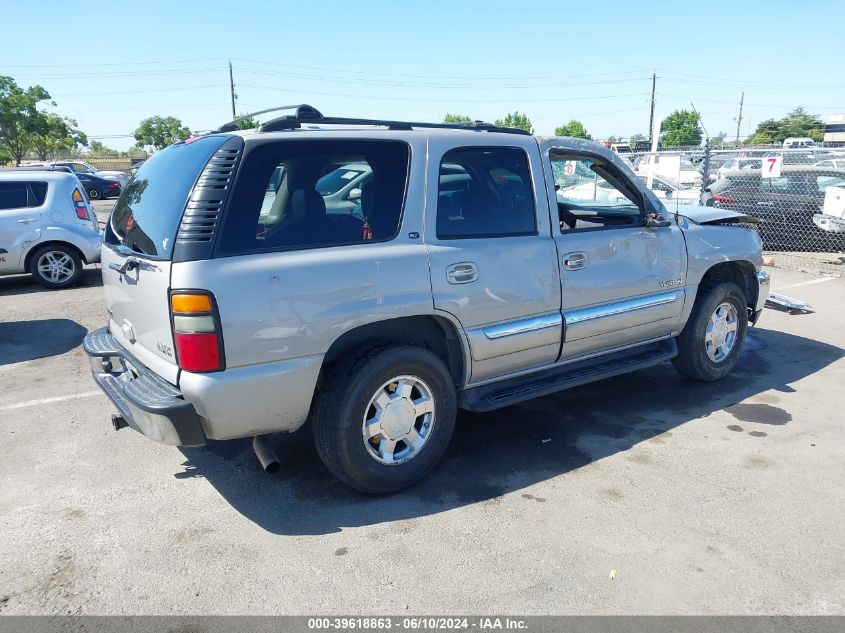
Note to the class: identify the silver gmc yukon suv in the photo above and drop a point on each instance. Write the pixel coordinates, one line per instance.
(468, 267)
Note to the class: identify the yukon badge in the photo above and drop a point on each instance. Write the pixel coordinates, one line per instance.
(669, 283)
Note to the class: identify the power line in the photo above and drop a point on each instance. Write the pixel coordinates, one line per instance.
(161, 61)
(436, 75)
(446, 86)
(444, 100)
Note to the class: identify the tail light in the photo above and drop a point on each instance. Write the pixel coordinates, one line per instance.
(723, 199)
(114, 185)
(196, 331)
(80, 206)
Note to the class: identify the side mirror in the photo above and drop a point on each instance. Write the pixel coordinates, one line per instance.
(355, 194)
(656, 221)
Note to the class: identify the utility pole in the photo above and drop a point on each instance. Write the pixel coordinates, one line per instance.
(232, 89)
(739, 118)
(651, 114)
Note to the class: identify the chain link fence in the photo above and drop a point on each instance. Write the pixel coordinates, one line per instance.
(796, 195)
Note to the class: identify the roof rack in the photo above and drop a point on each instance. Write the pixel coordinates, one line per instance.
(305, 113)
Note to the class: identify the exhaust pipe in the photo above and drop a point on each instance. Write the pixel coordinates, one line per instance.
(265, 454)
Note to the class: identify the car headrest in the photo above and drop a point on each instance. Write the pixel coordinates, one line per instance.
(307, 202)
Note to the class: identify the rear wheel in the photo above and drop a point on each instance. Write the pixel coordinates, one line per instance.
(56, 266)
(94, 194)
(385, 417)
(712, 339)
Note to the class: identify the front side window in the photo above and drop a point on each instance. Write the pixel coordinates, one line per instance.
(297, 194)
(592, 196)
(485, 192)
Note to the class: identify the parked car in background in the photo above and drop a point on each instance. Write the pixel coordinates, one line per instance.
(671, 191)
(734, 164)
(464, 282)
(81, 167)
(784, 206)
(801, 141)
(620, 148)
(47, 227)
(670, 166)
(797, 158)
(99, 188)
(832, 163)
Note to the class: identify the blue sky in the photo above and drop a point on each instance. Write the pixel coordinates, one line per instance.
(110, 64)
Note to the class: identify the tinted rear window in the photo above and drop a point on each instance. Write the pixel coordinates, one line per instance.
(314, 194)
(147, 214)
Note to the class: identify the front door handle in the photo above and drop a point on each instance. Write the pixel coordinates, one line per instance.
(27, 220)
(574, 261)
(462, 273)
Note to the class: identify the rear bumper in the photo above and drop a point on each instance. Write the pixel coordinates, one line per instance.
(90, 244)
(148, 403)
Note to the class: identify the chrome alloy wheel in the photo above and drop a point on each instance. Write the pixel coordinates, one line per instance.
(720, 337)
(399, 420)
(56, 266)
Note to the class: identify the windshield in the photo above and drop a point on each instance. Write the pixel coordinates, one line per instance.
(336, 180)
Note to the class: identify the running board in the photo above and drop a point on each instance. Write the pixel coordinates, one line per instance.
(507, 392)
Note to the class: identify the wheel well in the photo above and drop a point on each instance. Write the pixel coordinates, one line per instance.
(741, 273)
(37, 247)
(434, 333)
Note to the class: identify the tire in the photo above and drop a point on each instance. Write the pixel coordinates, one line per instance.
(705, 360)
(94, 194)
(56, 266)
(347, 401)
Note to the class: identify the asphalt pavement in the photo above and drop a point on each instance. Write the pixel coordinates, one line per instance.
(646, 493)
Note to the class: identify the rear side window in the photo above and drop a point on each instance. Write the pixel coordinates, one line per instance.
(310, 194)
(39, 193)
(490, 196)
(18, 195)
(13, 195)
(147, 214)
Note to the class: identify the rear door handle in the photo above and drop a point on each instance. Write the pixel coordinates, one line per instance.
(574, 261)
(462, 273)
(27, 220)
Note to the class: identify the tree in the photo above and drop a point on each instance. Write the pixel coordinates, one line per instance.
(249, 123)
(632, 140)
(19, 117)
(158, 132)
(796, 123)
(100, 149)
(456, 118)
(55, 135)
(573, 128)
(680, 128)
(517, 120)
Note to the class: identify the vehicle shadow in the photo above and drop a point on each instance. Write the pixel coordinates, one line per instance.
(24, 284)
(27, 340)
(508, 450)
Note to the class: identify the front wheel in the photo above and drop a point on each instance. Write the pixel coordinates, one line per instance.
(385, 417)
(712, 339)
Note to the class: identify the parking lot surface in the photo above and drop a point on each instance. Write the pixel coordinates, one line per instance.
(645, 494)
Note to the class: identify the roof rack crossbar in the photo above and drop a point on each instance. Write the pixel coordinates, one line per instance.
(303, 112)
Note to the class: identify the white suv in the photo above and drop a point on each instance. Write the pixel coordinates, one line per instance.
(47, 227)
